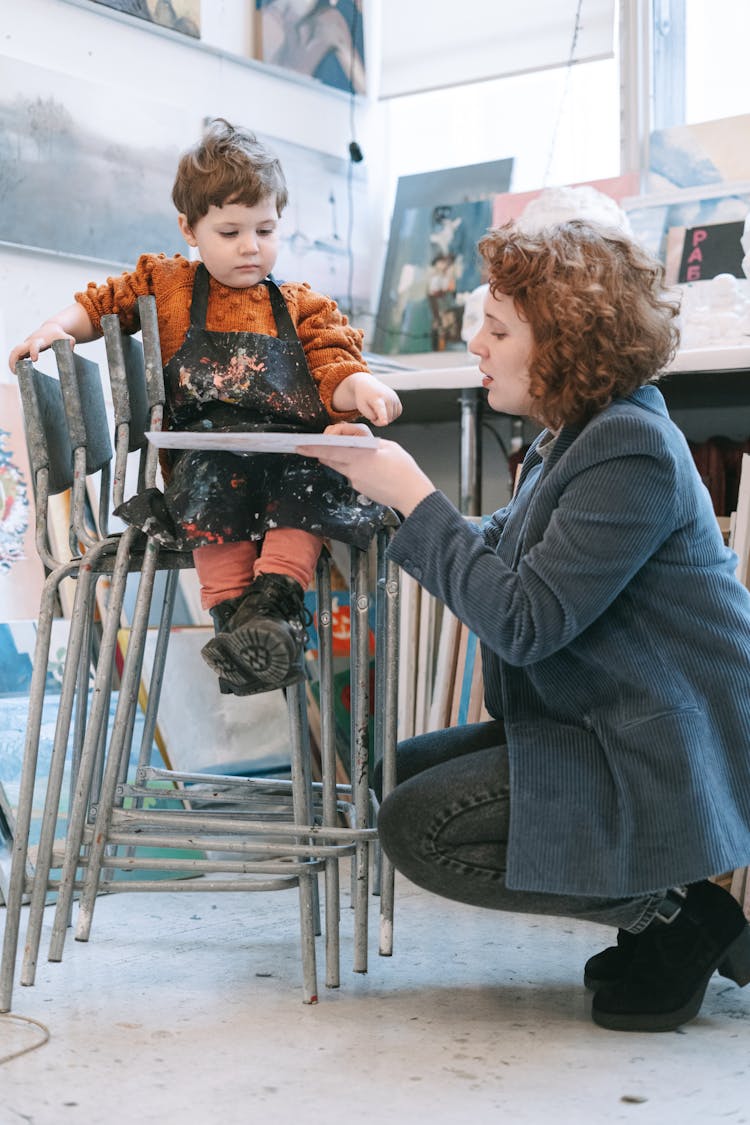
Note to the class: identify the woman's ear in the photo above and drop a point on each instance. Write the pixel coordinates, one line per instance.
(186, 230)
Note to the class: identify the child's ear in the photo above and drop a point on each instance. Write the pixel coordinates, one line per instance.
(185, 230)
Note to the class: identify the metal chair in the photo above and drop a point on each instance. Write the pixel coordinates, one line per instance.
(278, 834)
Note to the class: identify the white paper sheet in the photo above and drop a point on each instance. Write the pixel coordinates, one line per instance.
(252, 442)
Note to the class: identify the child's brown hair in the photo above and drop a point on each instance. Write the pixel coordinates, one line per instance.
(601, 320)
(228, 165)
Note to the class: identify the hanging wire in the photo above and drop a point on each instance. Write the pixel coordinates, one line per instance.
(355, 155)
(564, 96)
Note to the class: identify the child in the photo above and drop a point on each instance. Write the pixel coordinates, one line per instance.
(241, 353)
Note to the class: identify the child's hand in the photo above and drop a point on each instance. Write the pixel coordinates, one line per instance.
(373, 399)
(38, 342)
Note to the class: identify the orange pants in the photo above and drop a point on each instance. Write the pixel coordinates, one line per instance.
(227, 569)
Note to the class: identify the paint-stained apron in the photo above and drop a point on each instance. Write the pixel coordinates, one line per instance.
(247, 381)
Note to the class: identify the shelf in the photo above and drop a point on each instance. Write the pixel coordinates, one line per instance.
(430, 384)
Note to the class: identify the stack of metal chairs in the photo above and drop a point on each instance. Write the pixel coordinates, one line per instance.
(200, 832)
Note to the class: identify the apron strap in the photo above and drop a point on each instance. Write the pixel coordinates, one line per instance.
(199, 304)
(199, 301)
(284, 325)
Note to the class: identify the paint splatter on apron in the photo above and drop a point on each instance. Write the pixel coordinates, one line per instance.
(246, 381)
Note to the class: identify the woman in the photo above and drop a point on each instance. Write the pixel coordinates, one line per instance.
(614, 779)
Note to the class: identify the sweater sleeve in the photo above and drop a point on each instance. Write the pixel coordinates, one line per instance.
(595, 541)
(332, 346)
(120, 294)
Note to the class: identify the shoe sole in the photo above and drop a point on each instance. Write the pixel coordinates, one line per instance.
(735, 960)
(250, 654)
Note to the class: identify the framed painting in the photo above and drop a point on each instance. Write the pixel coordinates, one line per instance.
(178, 15)
(434, 269)
(101, 187)
(432, 194)
(323, 39)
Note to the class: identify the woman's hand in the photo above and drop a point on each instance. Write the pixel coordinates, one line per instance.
(386, 474)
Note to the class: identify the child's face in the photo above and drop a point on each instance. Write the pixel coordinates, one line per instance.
(504, 345)
(238, 244)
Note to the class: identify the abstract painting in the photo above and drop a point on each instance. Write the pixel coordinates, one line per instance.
(708, 152)
(320, 38)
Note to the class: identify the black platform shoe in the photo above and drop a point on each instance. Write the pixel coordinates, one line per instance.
(611, 965)
(674, 959)
(262, 634)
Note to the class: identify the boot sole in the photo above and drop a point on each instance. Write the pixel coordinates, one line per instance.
(295, 676)
(736, 962)
(250, 655)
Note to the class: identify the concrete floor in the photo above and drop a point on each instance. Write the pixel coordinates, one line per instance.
(186, 1008)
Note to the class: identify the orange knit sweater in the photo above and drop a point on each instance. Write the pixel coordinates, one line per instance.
(331, 345)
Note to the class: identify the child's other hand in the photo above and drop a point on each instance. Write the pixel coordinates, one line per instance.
(375, 401)
(38, 342)
(372, 399)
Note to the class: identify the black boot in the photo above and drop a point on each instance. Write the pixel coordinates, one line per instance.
(611, 965)
(260, 646)
(221, 614)
(674, 959)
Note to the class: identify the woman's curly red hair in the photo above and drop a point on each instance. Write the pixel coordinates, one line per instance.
(601, 321)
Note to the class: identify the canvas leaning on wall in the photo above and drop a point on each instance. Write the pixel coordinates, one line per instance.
(21, 571)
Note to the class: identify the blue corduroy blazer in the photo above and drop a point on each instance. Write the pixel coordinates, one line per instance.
(616, 648)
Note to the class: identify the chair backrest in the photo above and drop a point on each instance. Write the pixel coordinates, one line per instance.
(137, 382)
(68, 435)
(49, 446)
(86, 413)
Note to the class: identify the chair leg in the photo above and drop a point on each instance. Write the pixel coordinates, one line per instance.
(19, 866)
(98, 718)
(71, 678)
(388, 591)
(360, 704)
(119, 741)
(328, 767)
(302, 815)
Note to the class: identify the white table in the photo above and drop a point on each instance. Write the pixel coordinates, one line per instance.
(719, 375)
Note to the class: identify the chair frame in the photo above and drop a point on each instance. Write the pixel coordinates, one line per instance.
(280, 833)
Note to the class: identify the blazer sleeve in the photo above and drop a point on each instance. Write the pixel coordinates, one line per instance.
(595, 541)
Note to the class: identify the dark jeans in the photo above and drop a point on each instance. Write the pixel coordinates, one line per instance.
(445, 827)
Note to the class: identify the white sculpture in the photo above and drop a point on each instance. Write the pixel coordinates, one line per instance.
(552, 205)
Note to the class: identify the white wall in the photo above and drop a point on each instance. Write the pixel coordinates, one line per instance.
(128, 58)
